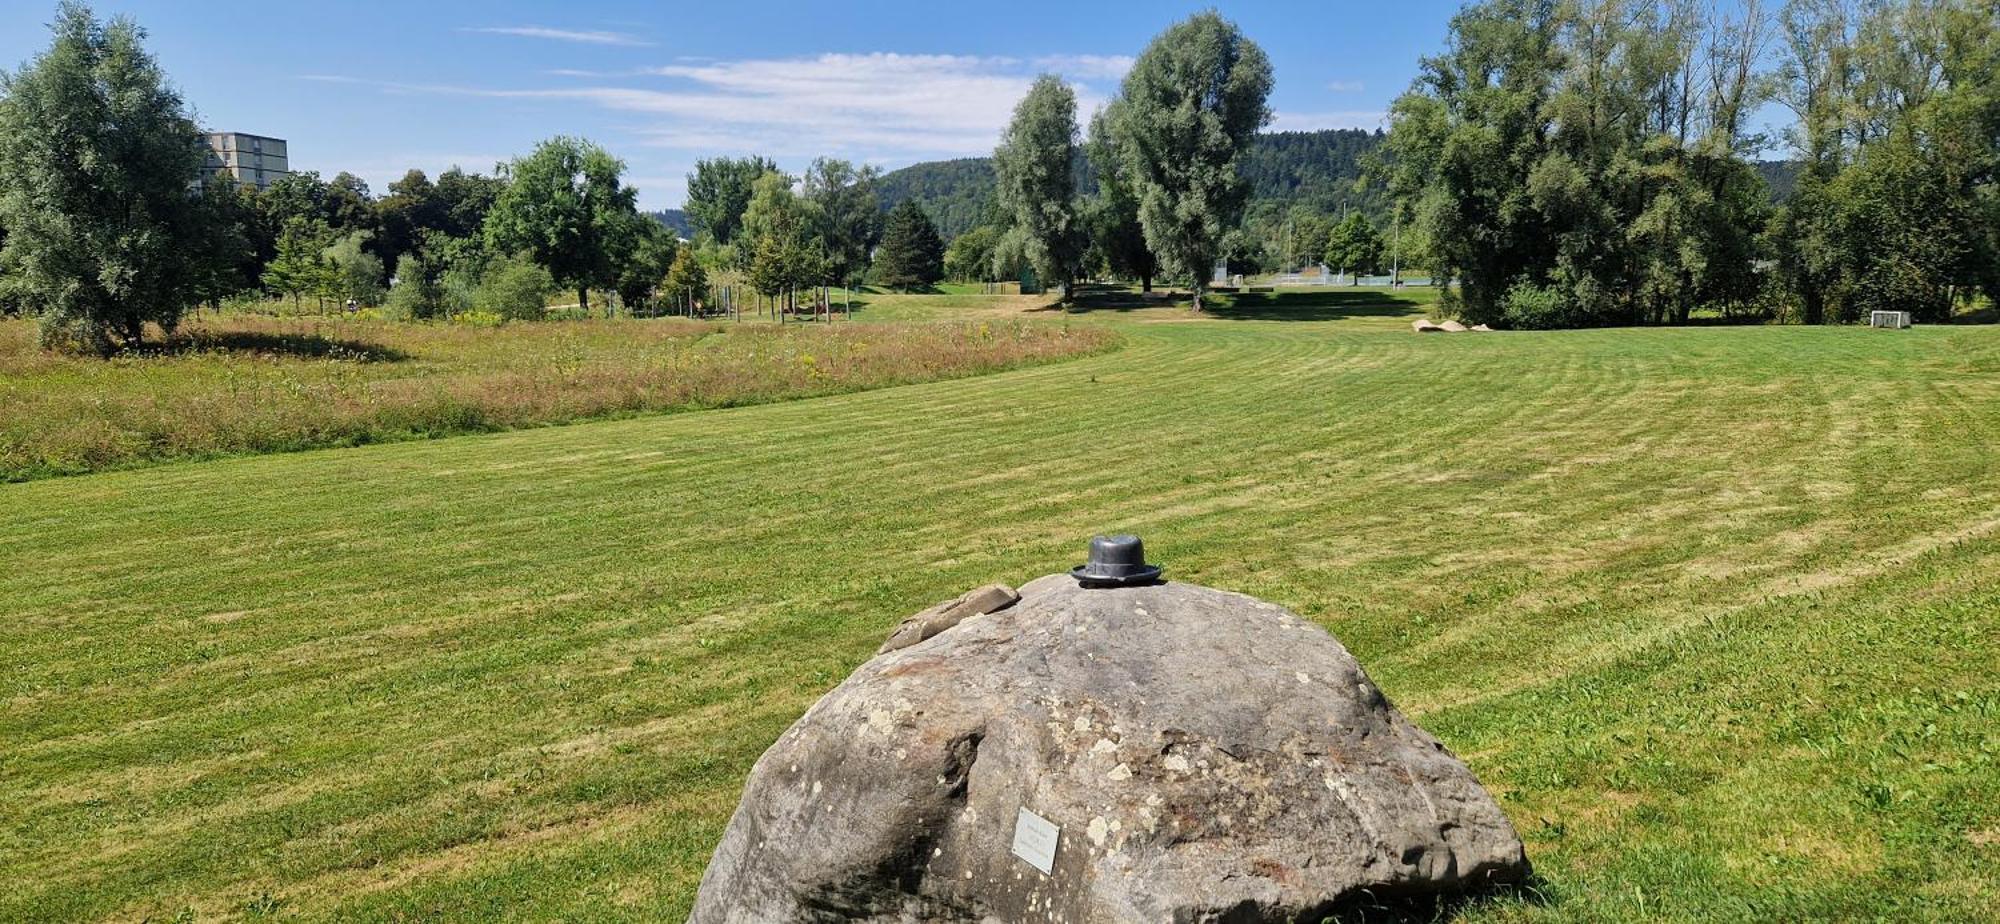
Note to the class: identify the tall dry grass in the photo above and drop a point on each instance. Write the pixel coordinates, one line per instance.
(249, 384)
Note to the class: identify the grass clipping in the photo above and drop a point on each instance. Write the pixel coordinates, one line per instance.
(251, 384)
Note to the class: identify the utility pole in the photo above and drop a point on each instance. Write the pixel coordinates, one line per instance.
(1396, 250)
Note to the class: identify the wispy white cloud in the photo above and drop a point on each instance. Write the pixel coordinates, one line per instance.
(585, 36)
(1345, 86)
(1283, 121)
(1087, 67)
(883, 108)
(878, 106)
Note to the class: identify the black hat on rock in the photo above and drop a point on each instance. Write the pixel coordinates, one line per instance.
(1116, 561)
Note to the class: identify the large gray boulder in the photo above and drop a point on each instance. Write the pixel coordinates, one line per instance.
(1188, 754)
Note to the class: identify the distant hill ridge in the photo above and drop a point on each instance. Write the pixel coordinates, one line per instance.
(1316, 169)
(674, 219)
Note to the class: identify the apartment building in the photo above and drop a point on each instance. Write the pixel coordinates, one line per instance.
(254, 160)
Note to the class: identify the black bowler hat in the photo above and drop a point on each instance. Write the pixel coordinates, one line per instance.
(1116, 561)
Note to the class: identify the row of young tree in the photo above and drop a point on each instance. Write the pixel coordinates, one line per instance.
(782, 234)
(1586, 162)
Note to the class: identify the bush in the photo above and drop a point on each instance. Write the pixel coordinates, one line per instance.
(516, 289)
(358, 273)
(478, 318)
(1528, 306)
(417, 294)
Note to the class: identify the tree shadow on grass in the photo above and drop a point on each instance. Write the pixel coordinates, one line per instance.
(1327, 305)
(1425, 908)
(303, 346)
(1984, 314)
(1290, 305)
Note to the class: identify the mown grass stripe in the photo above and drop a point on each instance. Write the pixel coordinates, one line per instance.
(1636, 576)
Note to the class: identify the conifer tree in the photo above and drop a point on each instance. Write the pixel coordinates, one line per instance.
(912, 254)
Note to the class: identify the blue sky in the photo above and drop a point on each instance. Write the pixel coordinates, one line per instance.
(377, 88)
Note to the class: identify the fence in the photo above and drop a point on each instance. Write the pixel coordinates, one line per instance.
(1341, 279)
(736, 302)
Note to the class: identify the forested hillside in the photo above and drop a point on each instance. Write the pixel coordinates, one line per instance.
(1313, 169)
(957, 194)
(675, 220)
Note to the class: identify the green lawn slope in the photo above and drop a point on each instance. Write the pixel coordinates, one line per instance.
(1714, 612)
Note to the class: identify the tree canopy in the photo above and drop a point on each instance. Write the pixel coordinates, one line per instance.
(781, 230)
(849, 213)
(1035, 164)
(1897, 205)
(1353, 246)
(912, 254)
(1112, 215)
(719, 192)
(1582, 155)
(1188, 111)
(565, 207)
(98, 159)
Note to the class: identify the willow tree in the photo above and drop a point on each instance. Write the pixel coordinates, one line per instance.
(1897, 112)
(1036, 167)
(1113, 213)
(1188, 111)
(1578, 164)
(98, 159)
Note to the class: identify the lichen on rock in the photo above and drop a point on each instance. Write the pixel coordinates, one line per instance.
(1202, 754)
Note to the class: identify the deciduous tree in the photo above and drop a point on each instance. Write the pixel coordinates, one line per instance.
(687, 280)
(98, 159)
(850, 213)
(1112, 215)
(358, 272)
(1035, 165)
(565, 207)
(719, 191)
(1574, 163)
(970, 256)
(1188, 110)
(781, 231)
(646, 251)
(1354, 246)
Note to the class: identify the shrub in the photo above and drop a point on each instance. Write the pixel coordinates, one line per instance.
(359, 273)
(478, 318)
(1528, 306)
(417, 294)
(516, 289)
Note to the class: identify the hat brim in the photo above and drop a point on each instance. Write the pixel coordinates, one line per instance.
(1145, 575)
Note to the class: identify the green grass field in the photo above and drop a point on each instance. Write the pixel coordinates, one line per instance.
(1715, 612)
(245, 384)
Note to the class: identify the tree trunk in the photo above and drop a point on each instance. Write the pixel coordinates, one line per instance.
(1197, 288)
(1815, 308)
(583, 299)
(1146, 283)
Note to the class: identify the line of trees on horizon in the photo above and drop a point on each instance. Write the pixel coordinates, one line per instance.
(1586, 162)
(107, 227)
(1562, 163)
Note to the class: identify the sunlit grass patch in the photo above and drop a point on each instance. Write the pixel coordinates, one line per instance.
(1710, 610)
(246, 383)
